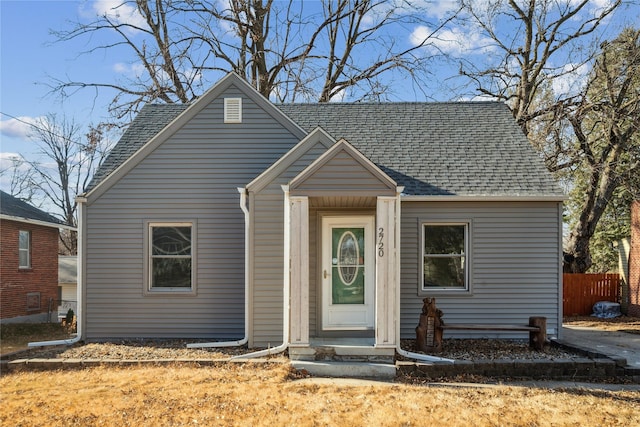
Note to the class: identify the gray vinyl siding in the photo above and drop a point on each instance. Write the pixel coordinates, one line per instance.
(268, 256)
(192, 176)
(514, 263)
(268, 270)
(341, 173)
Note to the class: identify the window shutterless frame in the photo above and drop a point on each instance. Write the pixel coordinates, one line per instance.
(170, 258)
(463, 258)
(24, 249)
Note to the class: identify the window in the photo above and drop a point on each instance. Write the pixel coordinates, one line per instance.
(444, 259)
(171, 257)
(24, 249)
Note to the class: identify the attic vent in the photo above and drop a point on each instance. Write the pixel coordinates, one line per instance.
(233, 110)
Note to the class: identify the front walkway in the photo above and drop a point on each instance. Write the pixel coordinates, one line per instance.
(612, 344)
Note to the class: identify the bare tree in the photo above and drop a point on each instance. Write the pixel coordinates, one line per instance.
(606, 126)
(545, 41)
(65, 166)
(313, 50)
(21, 180)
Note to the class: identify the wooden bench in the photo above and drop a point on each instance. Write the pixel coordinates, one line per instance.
(537, 329)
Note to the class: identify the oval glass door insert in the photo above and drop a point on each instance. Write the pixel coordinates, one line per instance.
(348, 255)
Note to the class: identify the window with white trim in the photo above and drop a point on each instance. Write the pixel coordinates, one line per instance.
(445, 256)
(24, 249)
(171, 255)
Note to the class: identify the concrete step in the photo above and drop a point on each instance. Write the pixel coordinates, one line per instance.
(343, 353)
(332, 369)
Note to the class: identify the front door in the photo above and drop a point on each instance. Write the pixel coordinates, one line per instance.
(348, 271)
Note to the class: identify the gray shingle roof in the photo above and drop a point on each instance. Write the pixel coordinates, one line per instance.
(465, 149)
(151, 119)
(12, 206)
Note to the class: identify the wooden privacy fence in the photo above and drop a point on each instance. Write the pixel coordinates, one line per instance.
(582, 291)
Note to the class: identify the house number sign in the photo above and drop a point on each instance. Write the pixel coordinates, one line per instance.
(380, 242)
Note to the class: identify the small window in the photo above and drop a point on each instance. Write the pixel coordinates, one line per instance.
(24, 249)
(444, 260)
(171, 257)
(233, 110)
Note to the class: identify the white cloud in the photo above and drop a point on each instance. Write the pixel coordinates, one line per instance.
(119, 13)
(455, 41)
(130, 70)
(9, 158)
(437, 8)
(571, 79)
(477, 98)
(18, 127)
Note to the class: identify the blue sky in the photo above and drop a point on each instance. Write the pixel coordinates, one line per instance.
(29, 60)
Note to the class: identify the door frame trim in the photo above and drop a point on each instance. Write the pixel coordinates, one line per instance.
(368, 219)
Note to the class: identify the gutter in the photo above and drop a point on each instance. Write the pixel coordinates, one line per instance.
(399, 349)
(79, 288)
(285, 291)
(247, 229)
(37, 222)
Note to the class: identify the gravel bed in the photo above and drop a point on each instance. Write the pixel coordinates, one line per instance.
(494, 349)
(461, 349)
(131, 350)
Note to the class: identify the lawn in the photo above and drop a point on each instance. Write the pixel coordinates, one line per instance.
(256, 394)
(250, 394)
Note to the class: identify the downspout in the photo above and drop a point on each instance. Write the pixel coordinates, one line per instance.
(247, 230)
(79, 287)
(285, 291)
(399, 349)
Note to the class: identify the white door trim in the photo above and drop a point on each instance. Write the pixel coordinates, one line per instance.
(337, 317)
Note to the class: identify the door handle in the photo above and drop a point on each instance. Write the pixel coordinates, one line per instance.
(325, 274)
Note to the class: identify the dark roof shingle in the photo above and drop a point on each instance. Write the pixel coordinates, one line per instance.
(464, 149)
(12, 206)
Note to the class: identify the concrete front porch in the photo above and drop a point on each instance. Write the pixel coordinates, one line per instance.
(342, 349)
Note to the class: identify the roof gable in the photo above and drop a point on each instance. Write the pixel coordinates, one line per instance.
(157, 123)
(317, 136)
(342, 168)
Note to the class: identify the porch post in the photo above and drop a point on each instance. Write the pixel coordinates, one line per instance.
(299, 270)
(386, 282)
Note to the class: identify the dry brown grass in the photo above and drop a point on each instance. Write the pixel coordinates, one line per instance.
(232, 394)
(619, 324)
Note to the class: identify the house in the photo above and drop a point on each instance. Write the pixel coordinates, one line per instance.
(292, 225)
(67, 285)
(28, 261)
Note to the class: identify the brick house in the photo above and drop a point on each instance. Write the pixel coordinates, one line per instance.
(28, 261)
(634, 261)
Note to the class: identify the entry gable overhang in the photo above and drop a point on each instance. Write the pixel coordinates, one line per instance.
(342, 170)
(315, 137)
(231, 79)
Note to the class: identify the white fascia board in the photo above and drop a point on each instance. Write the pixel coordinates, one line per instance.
(36, 222)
